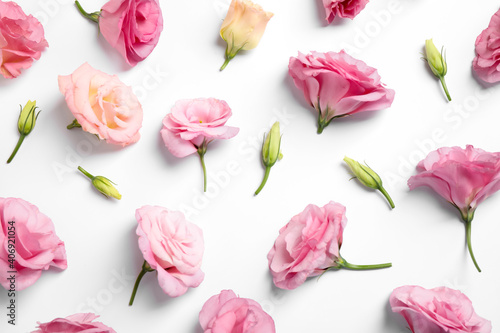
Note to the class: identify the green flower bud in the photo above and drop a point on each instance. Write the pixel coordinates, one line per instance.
(367, 177)
(435, 59)
(103, 185)
(271, 147)
(27, 118)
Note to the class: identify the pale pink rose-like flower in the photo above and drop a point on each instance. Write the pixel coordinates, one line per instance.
(172, 246)
(102, 105)
(343, 8)
(193, 124)
(133, 27)
(486, 64)
(463, 177)
(28, 242)
(77, 323)
(438, 310)
(337, 85)
(228, 313)
(21, 39)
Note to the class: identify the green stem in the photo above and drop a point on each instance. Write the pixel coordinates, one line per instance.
(322, 123)
(469, 245)
(264, 181)
(225, 63)
(145, 268)
(82, 170)
(74, 124)
(387, 196)
(345, 264)
(91, 16)
(443, 83)
(202, 159)
(18, 145)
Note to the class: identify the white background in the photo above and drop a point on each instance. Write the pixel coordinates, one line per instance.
(423, 237)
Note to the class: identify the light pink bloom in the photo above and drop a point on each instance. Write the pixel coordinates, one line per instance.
(77, 323)
(28, 243)
(486, 64)
(21, 39)
(307, 245)
(337, 85)
(193, 121)
(172, 246)
(103, 105)
(228, 313)
(463, 177)
(343, 8)
(438, 310)
(132, 27)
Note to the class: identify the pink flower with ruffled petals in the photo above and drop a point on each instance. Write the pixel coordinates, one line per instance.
(28, 243)
(337, 85)
(343, 8)
(438, 310)
(21, 40)
(77, 323)
(193, 124)
(172, 246)
(228, 313)
(486, 64)
(463, 177)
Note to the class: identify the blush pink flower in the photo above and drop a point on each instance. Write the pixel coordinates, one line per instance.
(132, 27)
(309, 245)
(21, 39)
(338, 85)
(228, 313)
(28, 242)
(463, 177)
(77, 323)
(193, 124)
(172, 246)
(486, 64)
(438, 310)
(343, 8)
(102, 105)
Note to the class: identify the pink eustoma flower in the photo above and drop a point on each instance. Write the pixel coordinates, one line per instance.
(102, 105)
(21, 39)
(338, 85)
(309, 245)
(486, 64)
(228, 313)
(171, 246)
(343, 8)
(28, 243)
(193, 124)
(77, 323)
(463, 177)
(438, 310)
(132, 27)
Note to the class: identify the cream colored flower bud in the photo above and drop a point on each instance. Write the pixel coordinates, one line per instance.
(435, 59)
(271, 147)
(105, 186)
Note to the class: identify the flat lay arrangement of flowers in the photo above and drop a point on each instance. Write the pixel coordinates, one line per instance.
(249, 166)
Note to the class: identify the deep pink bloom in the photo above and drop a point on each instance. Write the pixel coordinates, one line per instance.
(103, 105)
(228, 313)
(21, 39)
(172, 246)
(193, 121)
(132, 27)
(31, 236)
(77, 323)
(343, 8)
(438, 310)
(486, 64)
(307, 245)
(338, 85)
(463, 177)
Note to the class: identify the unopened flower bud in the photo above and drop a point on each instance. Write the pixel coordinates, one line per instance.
(437, 63)
(270, 152)
(102, 184)
(25, 124)
(367, 177)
